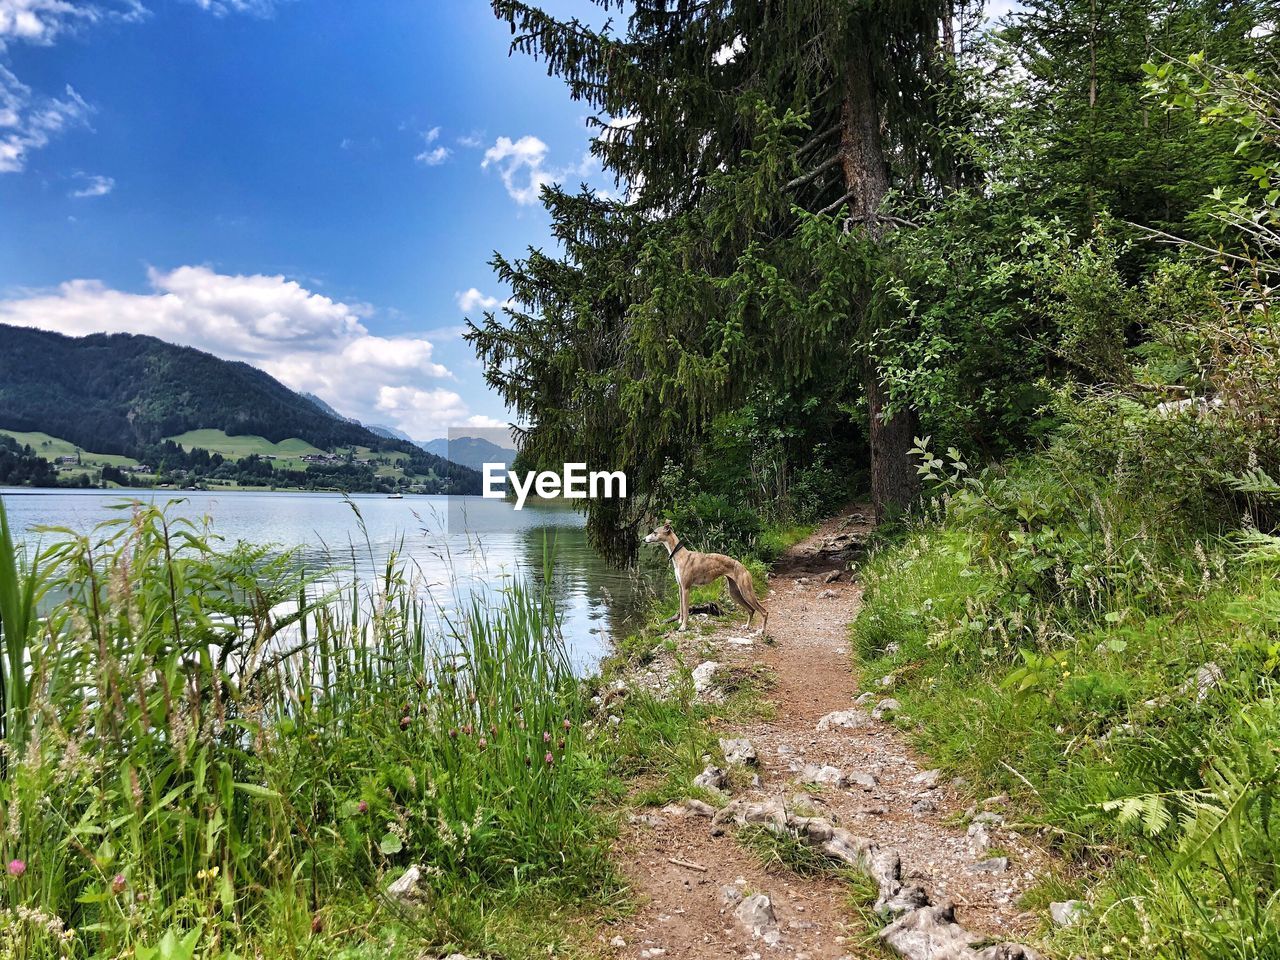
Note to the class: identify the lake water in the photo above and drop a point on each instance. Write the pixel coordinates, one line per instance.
(454, 546)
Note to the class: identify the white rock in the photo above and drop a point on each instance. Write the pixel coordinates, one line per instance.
(928, 779)
(979, 838)
(704, 675)
(405, 886)
(993, 865)
(711, 778)
(738, 750)
(861, 778)
(617, 943)
(756, 915)
(885, 709)
(828, 595)
(690, 808)
(842, 720)
(1066, 912)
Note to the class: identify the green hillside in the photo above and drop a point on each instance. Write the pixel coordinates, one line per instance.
(136, 399)
(51, 448)
(217, 441)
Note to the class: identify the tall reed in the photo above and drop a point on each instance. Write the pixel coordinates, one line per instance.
(206, 743)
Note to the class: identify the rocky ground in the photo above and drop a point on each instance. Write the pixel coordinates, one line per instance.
(829, 771)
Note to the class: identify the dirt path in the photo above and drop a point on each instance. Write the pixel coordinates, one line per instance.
(893, 801)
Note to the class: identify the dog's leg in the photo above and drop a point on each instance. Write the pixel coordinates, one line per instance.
(684, 608)
(740, 600)
(748, 590)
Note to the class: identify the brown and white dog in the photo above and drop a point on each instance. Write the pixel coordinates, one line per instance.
(693, 569)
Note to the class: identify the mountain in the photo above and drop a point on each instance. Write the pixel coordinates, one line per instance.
(381, 429)
(390, 433)
(121, 393)
(473, 452)
(326, 409)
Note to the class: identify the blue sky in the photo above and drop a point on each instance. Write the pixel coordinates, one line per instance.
(314, 186)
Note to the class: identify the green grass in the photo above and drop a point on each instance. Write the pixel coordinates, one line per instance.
(217, 441)
(51, 448)
(252, 773)
(1051, 653)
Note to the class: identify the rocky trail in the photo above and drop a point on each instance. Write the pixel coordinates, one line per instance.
(829, 771)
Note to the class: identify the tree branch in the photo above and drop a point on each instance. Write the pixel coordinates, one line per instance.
(813, 174)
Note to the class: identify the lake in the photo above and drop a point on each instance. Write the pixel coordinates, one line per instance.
(454, 546)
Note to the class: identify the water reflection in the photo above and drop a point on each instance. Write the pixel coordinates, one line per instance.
(450, 547)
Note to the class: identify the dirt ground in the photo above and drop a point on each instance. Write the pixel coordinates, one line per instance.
(690, 882)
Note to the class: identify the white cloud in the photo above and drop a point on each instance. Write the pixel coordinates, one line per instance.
(92, 185)
(471, 299)
(40, 21)
(308, 341)
(220, 8)
(729, 52)
(471, 141)
(29, 121)
(434, 157)
(520, 164)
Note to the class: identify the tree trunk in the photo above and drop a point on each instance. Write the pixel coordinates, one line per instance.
(894, 483)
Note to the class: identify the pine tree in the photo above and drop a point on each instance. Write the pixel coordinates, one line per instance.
(756, 142)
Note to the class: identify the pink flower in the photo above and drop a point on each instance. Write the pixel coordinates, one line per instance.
(568, 725)
(546, 737)
(362, 807)
(466, 728)
(17, 868)
(453, 733)
(404, 723)
(549, 758)
(482, 743)
(118, 883)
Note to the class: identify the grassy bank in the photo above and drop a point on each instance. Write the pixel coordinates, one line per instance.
(1101, 641)
(191, 772)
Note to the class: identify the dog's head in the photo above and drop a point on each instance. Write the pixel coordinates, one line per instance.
(661, 532)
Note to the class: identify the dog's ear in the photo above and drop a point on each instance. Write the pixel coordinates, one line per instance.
(666, 527)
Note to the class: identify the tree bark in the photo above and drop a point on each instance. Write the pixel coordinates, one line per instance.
(894, 483)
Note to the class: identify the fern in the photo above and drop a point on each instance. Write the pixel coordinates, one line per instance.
(1150, 809)
(1255, 481)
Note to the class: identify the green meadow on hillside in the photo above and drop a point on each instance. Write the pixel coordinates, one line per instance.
(51, 448)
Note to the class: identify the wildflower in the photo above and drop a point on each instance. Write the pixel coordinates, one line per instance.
(118, 883)
(17, 868)
(546, 736)
(493, 729)
(467, 728)
(482, 743)
(453, 733)
(404, 723)
(549, 758)
(567, 725)
(562, 746)
(317, 924)
(362, 807)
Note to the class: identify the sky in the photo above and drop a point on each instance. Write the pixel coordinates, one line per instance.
(312, 186)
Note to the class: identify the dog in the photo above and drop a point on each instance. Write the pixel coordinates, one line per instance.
(693, 569)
